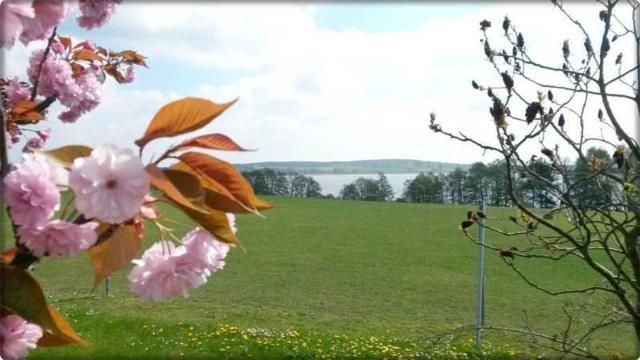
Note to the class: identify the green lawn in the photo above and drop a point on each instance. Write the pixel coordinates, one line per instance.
(335, 273)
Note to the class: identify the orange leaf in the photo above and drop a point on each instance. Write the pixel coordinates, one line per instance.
(8, 255)
(218, 201)
(216, 222)
(226, 199)
(182, 116)
(21, 294)
(25, 112)
(212, 142)
(216, 196)
(130, 57)
(260, 204)
(86, 55)
(212, 220)
(221, 174)
(219, 198)
(178, 192)
(66, 155)
(101, 50)
(188, 184)
(65, 41)
(114, 72)
(23, 106)
(115, 252)
(50, 339)
(31, 117)
(76, 70)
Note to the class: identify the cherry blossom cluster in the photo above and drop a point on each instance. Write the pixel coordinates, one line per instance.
(17, 337)
(110, 186)
(166, 270)
(32, 192)
(106, 188)
(28, 21)
(72, 75)
(63, 72)
(79, 92)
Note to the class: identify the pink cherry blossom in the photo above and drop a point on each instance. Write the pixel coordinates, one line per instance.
(55, 78)
(57, 47)
(12, 139)
(48, 14)
(31, 192)
(166, 270)
(89, 95)
(69, 116)
(44, 134)
(129, 75)
(17, 337)
(13, 14)
(87, 45)
(59, 238)
(16, 92)
(37, 142)
(204, 251)
(33, 143)
(96, 13)
(160, 274)
(80, 95)
(109, 185)
(149, 209)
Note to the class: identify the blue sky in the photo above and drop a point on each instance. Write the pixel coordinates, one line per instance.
(316, 81)
(388, 16)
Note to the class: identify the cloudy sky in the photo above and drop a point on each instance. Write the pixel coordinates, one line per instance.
(320, 81)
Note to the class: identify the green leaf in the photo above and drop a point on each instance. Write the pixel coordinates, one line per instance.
(21, 294)
(67, 154)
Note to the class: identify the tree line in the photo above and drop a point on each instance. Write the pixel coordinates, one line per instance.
(479, 182)
(488, 182)
(368, 189)
(271, 182)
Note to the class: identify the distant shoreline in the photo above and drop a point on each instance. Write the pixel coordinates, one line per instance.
(357, 167)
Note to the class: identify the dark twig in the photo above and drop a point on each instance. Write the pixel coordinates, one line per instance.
(34, 90)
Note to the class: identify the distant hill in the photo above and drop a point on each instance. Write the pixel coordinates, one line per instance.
(387, 166)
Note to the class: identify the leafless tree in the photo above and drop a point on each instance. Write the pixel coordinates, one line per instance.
(587, 88)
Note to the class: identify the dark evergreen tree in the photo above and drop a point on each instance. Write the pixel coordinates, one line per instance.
(385, 190)
(424, 188)
(475, 184)
(590, 190)
(350, 192)
(455, 184)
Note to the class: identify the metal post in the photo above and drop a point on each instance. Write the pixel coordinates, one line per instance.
(480, 297)
(107, 286)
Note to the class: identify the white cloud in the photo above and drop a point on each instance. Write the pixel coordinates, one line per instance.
(312, 93)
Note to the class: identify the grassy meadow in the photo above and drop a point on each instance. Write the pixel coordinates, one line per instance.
(330, 278)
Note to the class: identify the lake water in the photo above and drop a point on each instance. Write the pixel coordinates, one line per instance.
(333, 183)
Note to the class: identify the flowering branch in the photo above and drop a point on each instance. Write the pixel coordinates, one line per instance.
(111, 198)
(34, 90)
(4, 158)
